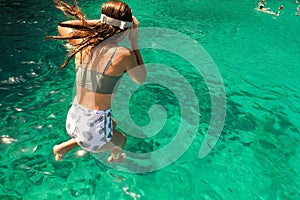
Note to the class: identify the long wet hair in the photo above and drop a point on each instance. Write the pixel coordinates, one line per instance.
(91, 35)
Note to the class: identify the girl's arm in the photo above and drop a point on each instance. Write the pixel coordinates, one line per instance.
(137, 69)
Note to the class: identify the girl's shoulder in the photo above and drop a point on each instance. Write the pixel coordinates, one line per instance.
(123, 53)
(123, 49)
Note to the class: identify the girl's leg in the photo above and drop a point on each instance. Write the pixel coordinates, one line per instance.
(61, 149)
(119, 142)
(116, 146)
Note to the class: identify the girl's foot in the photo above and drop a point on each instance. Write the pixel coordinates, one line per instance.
(120, 158)
(57, 151)
(60, 150)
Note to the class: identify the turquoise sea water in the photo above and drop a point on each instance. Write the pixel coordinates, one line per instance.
(257, 155)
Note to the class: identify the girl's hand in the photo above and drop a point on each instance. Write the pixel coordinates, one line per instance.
(133, 34)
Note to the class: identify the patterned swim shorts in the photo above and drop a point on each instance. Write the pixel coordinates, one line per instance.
(90, 128)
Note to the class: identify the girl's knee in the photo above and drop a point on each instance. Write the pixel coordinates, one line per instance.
(125, 139)
(114, 123)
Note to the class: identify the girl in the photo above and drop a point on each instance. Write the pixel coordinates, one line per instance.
(100, 63)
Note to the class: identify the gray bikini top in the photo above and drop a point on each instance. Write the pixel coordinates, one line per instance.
(97, 81)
